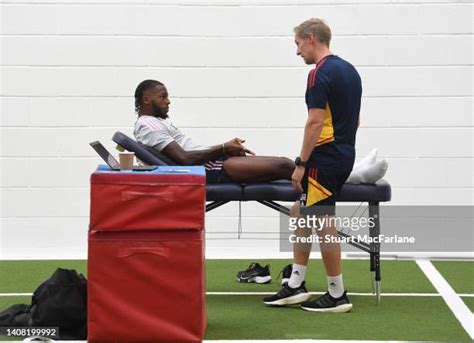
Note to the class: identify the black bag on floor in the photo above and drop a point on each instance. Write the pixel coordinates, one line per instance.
(60, 301)
(16, 315)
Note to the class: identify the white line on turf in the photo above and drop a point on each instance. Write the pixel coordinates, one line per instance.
(453, 300)
(270, 293)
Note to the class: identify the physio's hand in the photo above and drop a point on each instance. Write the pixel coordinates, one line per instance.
(296, 178)
(234, 147)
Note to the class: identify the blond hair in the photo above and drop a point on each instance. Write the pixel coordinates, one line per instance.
(317, 27)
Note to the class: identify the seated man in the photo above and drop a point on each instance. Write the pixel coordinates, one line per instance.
(223, 162)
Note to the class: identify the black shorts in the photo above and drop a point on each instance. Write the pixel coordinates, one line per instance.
(217, 176)
(215, 172)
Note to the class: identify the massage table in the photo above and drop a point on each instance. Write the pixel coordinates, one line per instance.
(269, 193)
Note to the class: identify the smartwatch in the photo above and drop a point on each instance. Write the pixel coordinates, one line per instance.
(298, 162)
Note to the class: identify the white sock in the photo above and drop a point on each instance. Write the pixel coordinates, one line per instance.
(335, 286)
(367, 161)
(369, 174)
(297, 275)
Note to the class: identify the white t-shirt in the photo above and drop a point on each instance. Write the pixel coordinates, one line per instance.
(158, 133)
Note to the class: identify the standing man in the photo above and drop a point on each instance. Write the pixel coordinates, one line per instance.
(333, 97)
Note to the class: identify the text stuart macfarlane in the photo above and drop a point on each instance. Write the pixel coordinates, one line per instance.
(353, 239)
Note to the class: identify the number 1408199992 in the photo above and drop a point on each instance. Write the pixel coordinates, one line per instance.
(43, 331)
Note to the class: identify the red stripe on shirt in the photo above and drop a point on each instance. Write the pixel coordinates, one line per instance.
(311, 73)
(313, 81)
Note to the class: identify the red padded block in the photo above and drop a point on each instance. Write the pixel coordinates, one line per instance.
(146, 271)
(146, 286)
(151, 201)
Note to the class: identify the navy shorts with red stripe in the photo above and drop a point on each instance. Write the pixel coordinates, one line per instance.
(321, 186)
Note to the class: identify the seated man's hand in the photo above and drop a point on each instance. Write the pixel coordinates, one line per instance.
(234, 147)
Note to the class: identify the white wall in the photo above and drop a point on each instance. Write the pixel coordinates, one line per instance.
(69, 70)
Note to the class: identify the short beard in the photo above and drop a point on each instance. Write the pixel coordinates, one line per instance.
(157, 112)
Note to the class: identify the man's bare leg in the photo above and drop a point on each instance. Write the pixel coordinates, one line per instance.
(295, 291)
(330, 251)
(335, 300)
(258, 168)
(300, 252)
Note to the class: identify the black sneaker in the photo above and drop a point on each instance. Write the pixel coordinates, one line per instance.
(327, 303)
(285, 274)
(255, 273)
(288, 296)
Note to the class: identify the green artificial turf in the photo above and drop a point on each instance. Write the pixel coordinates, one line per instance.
(397, 276)
(26, 276)
(397, 318)
(469, 302)
(459, 274)
(246, 317)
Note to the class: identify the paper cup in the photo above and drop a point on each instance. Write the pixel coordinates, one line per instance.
(126, 160)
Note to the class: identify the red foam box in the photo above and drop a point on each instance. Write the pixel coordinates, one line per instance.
(147, 201)
(146, 261)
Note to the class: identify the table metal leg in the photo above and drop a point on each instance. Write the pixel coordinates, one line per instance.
(375, 249)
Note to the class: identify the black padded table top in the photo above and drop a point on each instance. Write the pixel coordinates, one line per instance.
(224, 192)
(284, 191)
